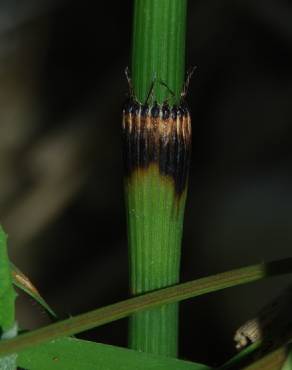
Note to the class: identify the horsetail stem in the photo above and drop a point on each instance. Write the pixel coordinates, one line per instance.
(157, 140)
(158, 49)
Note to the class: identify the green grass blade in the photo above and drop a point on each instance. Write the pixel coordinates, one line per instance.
(7, 293)
(8, 325)
(288, 362)
(123, 309)
(279, 359)
(241, 357)
(69, 353)
(273, 361)
(21, 281)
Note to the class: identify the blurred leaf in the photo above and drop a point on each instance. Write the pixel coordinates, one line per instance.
(272, 361)
(69, 353)
(241, 357)
(7, 293)
(288, 362)
(8, 325)
(125, 308)
(22, 282)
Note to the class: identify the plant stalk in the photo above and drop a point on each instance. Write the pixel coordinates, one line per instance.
(157, 142)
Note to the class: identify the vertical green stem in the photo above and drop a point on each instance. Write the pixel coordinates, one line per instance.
(158, 49)
(157, 147)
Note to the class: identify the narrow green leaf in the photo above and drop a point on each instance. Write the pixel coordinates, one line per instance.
(241, 357)
(69, 353)
(7, 293)
(8, 325)
(288, 362)
(279, 359)
(123, 309)
(273, 361)
(23, 282)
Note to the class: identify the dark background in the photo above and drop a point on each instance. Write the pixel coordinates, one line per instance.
(62, 86)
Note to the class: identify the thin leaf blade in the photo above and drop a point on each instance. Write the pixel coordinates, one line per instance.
(8, 325)
(125, 308)
(69, 353)
(21, 281)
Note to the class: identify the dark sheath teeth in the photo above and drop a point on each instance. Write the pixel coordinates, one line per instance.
(155, 110)
(165, 111)
(174, 112)
(144, 110)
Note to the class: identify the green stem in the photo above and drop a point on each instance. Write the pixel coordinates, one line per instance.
(157, 149)
(158, 48)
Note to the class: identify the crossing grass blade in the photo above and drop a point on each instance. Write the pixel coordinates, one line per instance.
(272, 361)
(69, 353)
(279, 359)
(288, 362)
(125, 308)
(241, 358)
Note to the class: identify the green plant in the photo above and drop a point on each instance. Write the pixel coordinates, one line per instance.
(155, 203)
(51, 346)
(157, 148)
(7, 298)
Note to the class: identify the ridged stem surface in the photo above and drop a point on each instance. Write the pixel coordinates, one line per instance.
(157, 146)
(155, 230)
(158, 49)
